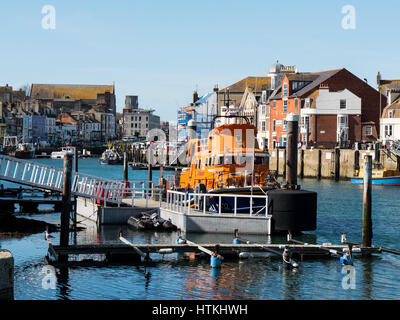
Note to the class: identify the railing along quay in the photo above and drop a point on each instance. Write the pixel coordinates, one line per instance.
(188, 203)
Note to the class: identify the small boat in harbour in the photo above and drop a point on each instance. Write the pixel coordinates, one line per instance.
(380, 176)
(63, 152)
(23, 151)
(110, 156)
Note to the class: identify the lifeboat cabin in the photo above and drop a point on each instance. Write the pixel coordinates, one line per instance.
(229, 160)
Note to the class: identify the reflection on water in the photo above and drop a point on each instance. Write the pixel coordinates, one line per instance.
(177, 276)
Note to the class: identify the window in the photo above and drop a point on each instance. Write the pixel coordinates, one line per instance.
(308, 103)
(296, 103)
(305, 121)
(263, 109)
(390, 113)
(220, 160)
(284, 106)
(274, 125)
(342, 103)
(131, 118)
(284, 125)
(368, 130)
(262, 125)
(274, 104)
(388, 130)
(258, 160)
(285, 87)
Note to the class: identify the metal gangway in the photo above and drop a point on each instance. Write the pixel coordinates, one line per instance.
(395, 147)
(46, 177)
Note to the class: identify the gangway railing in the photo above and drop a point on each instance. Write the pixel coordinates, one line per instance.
(51, 178)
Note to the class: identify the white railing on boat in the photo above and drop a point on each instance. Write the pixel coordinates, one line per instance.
(187, 203)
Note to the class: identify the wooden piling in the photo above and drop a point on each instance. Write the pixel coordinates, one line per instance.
(75, 198)
(356, 160)
(150, 175)
(76, 159)
(367, 208)
(301, 164)
(291, 149)
(125, 166)
(319, 164)
(277, 161)
(66, 199)
(284, 174)
(337, 164)
(6, 275)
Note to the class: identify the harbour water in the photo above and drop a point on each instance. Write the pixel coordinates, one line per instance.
(173, 277)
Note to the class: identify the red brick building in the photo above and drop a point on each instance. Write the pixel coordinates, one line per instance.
(335, 108)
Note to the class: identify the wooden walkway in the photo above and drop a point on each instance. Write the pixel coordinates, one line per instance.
(226, 250)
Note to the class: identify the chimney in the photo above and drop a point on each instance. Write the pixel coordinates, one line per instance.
(195, 96)
(378, 79)
(216, 88)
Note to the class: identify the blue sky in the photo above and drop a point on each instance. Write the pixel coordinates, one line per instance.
(163, 50)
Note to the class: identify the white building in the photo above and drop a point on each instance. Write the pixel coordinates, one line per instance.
(390, 123)
(137, 121)
(25, 132)
(342, 104)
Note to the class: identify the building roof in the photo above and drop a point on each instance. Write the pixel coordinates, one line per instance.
(395, 106)
(73, 91)
(255, 83)
(321, 77)
(315, 79)
(390, 84)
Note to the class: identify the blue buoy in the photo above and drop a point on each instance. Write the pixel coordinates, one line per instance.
(346, 260)
(236, 241)
(215, 262)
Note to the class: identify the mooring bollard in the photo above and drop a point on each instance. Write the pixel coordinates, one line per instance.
(6, 275)
(291, 150)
